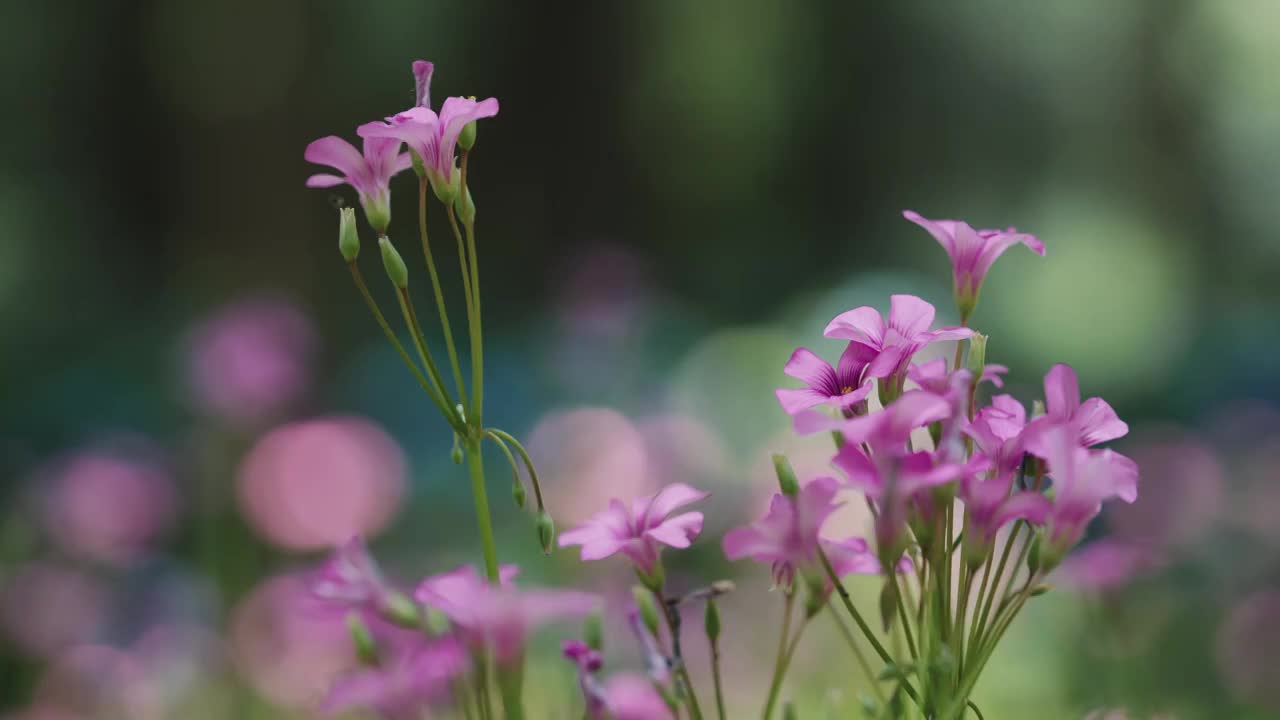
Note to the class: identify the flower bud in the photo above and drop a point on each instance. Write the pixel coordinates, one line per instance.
(888, 603)
(467, 138)
(403, 611)
(455, 453)
(648, 610)
(977, 355)
(348, 236)
(391, 260)
(1034, 559)
(518, 493)
(366, 646)
(711, 620)
(786, 475)
(546, 532)
(465, 206)
(593, 631)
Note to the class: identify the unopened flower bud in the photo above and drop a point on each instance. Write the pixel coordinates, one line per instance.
(465, 206)
(888, 603)
(366, 646)
(348, 236)
(593, 631)
(402, 610)
(455, 453)
(648, 610)
(518, 493)
(1034, 559)
(546, 532)
(786, 475)
(391, 260)
(467, 138)
(711, 620)
(977, 355)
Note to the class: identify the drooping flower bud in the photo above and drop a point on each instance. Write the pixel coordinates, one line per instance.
(648, 610)
(455, 454)
(391, 260)
(518, 493)
(348, 236)
(977, 361)
(786, 475)
(546, 532)
(465, 206)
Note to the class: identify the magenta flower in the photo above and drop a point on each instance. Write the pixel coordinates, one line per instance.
(895, 341)
(433, 137)
(632, 697)
(639, 531)
(422, 71)
(405, 686)
(369, 173)
(997, 432)
(351, 579)
(841, 387)
(989, 505)
(498, 617)
(1082, 481)
(972, 253)
(887, 431)
(787, 537)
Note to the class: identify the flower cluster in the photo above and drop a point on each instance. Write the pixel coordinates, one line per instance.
(954, 481)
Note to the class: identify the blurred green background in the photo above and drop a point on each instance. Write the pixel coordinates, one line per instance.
(674, 195)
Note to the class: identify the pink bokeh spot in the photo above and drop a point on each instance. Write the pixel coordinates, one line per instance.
(98, 681)
(286, 652)
(48, 608)
(1247, 655)
(250, 359)
(1190, 498)
(108, 508)
(589, 455)
(317, 483)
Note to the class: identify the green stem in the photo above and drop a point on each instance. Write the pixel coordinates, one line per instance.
(511, 687)
(779, 667)
(477, 336)
(858, 655)
(995, 585)
(902, 616)
(358, 277)
(715, 678)
(860, 622)
(511, 459)
(445, 401)
(439, 292)
(982, 589)
(672, 615)
(528, 461)
(485, 524)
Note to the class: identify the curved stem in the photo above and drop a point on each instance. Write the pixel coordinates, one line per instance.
(484, 523)
(528, 462)
(420, 342)
(439, 292)
(358, 277)
(511, 459)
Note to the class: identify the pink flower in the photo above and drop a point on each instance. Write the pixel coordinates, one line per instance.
(403, 687)
(841, 387)
(632, 697)
(369, 172)
(422, 71)
(350, 578)
(886, 431)
(787, 537)
(1082, 481)
(433, 137)
(989, 505)
(997, 432)
(972, 253)
(893, 342)
(639, 531)
(498, 617)
(1108, 565)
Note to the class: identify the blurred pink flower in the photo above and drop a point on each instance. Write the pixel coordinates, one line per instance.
(1248, 650)
(317, 483)
(682, 448)
(250, 359)
(351, 579)
(499, 618)
(1082, 481)
(1190, 497)
(788, 536)
(47, 608)
(972, 253)
(628, 696)
(416, 679)
(638, 531)
(285, 651)
(108, 508)
(1105, 565)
